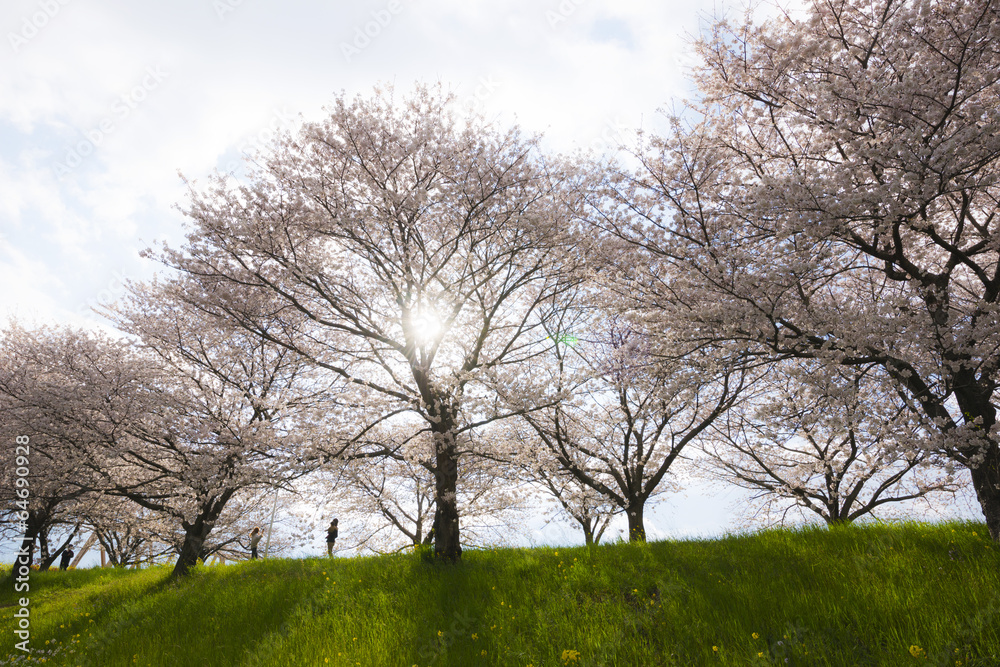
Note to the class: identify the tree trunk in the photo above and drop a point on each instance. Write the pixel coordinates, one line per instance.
(194, 537)
(447, 544)
(986, 482)
(974, 399)
(33, 528)
(44, 560)
(636, 527)
(196, 533)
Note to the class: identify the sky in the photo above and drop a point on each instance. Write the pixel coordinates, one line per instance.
(104, 104)
(107, 106)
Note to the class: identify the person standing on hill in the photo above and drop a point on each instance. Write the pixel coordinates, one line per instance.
(331, 537)
(66, 557)
(254, 541)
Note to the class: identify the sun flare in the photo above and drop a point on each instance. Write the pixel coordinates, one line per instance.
(426, 327)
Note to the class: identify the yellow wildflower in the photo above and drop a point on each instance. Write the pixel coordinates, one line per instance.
(570, 656)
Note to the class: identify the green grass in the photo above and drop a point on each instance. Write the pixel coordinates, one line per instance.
(849, 596)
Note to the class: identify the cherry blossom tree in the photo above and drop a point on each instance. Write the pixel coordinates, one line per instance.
(213, 423)
(389, 501)
(418, 250)
(625, 415)
(45, 430)
(832, 194)
(179, 425)
(128, 534)
(577, 501)
(834, 442)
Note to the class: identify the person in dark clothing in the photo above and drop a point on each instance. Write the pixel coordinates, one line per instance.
(66, 558)
(331, 537)
(254, 541)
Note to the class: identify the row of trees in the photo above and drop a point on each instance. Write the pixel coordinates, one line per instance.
(794, 284)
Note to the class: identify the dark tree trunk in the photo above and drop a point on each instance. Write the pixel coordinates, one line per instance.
(974, 399)
(447, 544)
(33, 530)
(44, 559)
(986, 482)
(194, 537)
(636, 526)
(588, 530)
(196, 533)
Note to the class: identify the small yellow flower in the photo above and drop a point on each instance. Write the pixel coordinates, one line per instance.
(440, 633)
(755, 636)
(760, 654)
(570, 656)
(715, 649)
(916, 651)
(483, 653)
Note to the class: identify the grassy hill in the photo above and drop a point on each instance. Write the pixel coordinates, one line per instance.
(906, 594)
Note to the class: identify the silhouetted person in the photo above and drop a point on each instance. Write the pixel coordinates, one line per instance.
(254, 541)
(331, 537)
(65, 559)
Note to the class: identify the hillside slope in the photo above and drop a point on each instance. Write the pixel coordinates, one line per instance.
(878, 595)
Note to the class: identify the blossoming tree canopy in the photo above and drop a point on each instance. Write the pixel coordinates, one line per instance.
(40, 408)
(215, 419)
(417, 249)
(623, 416)
(835, 441)
(833, 194)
